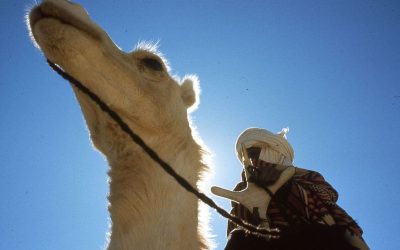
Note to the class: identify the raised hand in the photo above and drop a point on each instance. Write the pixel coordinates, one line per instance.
(253, 197)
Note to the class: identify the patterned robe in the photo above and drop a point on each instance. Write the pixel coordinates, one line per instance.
(306, 198)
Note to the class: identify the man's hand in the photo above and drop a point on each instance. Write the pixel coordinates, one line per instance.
(252, 197)
(255, 198)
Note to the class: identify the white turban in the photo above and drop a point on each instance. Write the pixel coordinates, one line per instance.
(274, 147)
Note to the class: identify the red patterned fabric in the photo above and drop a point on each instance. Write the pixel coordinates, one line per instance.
(306, 198)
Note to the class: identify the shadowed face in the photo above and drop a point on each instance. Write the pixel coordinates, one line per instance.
(261, 172)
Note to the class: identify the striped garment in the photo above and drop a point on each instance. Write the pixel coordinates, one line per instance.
(306, 198)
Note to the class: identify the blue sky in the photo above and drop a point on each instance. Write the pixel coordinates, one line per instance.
(329, 70)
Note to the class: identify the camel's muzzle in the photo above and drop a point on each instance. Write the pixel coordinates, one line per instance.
(66, 13)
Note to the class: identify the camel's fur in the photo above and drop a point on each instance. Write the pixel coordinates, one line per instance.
(148, 209)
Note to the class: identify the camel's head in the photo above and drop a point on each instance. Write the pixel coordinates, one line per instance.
(137, 85)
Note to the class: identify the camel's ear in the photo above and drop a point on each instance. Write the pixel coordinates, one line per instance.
(190, 91)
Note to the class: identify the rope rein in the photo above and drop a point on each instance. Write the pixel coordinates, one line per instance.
(153, 155)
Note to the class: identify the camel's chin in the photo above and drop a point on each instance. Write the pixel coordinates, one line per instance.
(60, 41)
(44, 25)
(54, 38)
(49, 29)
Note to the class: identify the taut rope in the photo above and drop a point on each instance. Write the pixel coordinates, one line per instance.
(167, 168)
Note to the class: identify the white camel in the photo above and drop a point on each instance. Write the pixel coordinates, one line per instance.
(148, 209)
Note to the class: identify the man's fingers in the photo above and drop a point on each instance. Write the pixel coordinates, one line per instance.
(235, 196)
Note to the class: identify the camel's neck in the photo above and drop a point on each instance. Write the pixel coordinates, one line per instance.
(148, 209)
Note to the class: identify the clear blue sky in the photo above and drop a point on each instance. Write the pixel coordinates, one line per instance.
(330, 70)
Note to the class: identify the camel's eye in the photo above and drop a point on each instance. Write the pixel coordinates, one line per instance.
(152, 63)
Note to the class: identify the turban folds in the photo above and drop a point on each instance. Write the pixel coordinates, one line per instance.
(274, 147)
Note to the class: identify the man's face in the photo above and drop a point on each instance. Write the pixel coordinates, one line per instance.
(261, 172)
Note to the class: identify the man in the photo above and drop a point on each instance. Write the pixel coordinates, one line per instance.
(275, 194)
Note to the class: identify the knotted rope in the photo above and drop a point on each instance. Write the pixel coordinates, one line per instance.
(269, 233)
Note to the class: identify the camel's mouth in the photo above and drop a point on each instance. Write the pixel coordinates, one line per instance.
(65, 13)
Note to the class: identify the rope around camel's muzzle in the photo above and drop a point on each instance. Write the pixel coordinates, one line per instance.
(269, 233)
